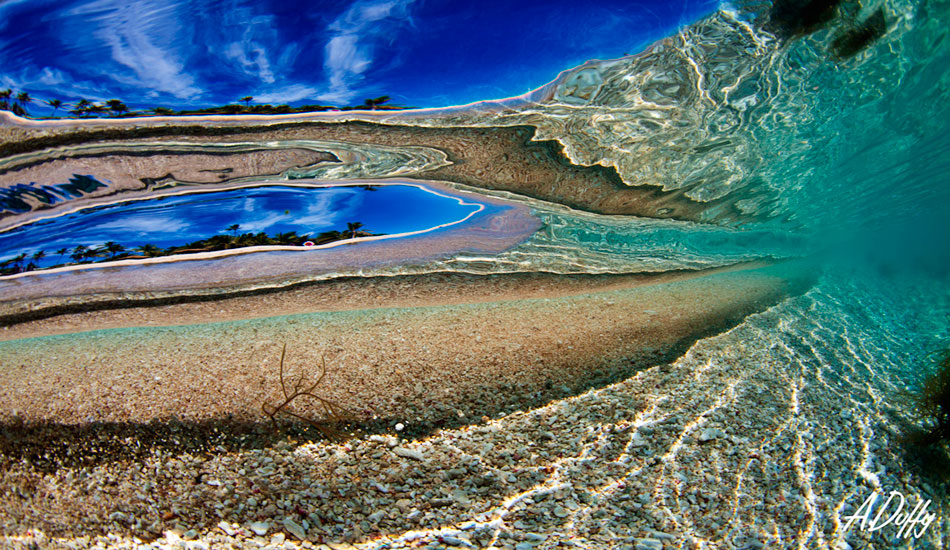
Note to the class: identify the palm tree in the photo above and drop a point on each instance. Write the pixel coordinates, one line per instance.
(93, 253)
(61, 252)
(353, 227)
(117, 106)
(247, 100)
(149, 250)
(96, 109)
(19, 260)
(113, 248)
(288, 238)
(55, 104)
(327, 237)
(375, 102)
(38, 255)
(233, 229)
(79, 253)
(81, 107)
(23, 99)
(5, 98)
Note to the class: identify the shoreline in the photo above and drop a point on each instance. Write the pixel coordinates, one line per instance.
(428, 187)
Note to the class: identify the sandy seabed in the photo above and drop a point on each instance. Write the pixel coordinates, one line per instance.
(519, 412)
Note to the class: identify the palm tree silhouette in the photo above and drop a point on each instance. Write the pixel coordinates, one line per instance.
(81, 107)
(19, 260)
(23, 99)
(117, 106)
(55, 104)
(372, 103)
(61, 252)
(113, 248)
(79, 253)
(5, 98)
(149, 250)
(233, 228)
(247, 100)
(353, 227)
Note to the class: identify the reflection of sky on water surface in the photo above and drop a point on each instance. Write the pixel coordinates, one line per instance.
(178, 220)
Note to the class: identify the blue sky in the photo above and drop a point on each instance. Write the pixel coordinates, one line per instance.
(427, 53)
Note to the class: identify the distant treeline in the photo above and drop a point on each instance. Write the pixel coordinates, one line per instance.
(111, 250)
(21, 102)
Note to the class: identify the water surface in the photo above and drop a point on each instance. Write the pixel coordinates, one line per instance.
(274, 209)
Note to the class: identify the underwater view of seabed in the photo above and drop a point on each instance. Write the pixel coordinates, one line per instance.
(690, 298)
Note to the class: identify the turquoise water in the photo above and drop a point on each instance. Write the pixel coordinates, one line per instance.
(798, 150)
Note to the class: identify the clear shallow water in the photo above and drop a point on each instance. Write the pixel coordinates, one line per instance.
(845, 159)
(182, 219)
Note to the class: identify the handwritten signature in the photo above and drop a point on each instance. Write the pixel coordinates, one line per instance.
(912, 523)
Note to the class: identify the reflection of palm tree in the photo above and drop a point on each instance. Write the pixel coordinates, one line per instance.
(79, 253)
(5, 98)
(288, 238)
(247, 100)
(149, 250)
(327, 237)
(38, 255)
(19, 260)
(233, 229)
(353, 227)
(113, 248)
(62, 252)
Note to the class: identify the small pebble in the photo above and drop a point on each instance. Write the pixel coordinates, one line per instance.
(260, 527)
(295, 529)
(408, 453)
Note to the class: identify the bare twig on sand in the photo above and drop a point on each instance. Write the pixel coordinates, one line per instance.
(334, 413)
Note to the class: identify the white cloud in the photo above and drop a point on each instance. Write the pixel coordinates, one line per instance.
(141, 35)
(145, 225)
(242, 53)
(286, 94)
(63, 83)
(249, 53)
(349, 51)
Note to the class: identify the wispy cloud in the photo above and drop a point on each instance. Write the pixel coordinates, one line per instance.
(144, 226)
(250, 53)
(287, 94)
(349, 51)
(252, 58)
(64, 83)
(141, 35)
